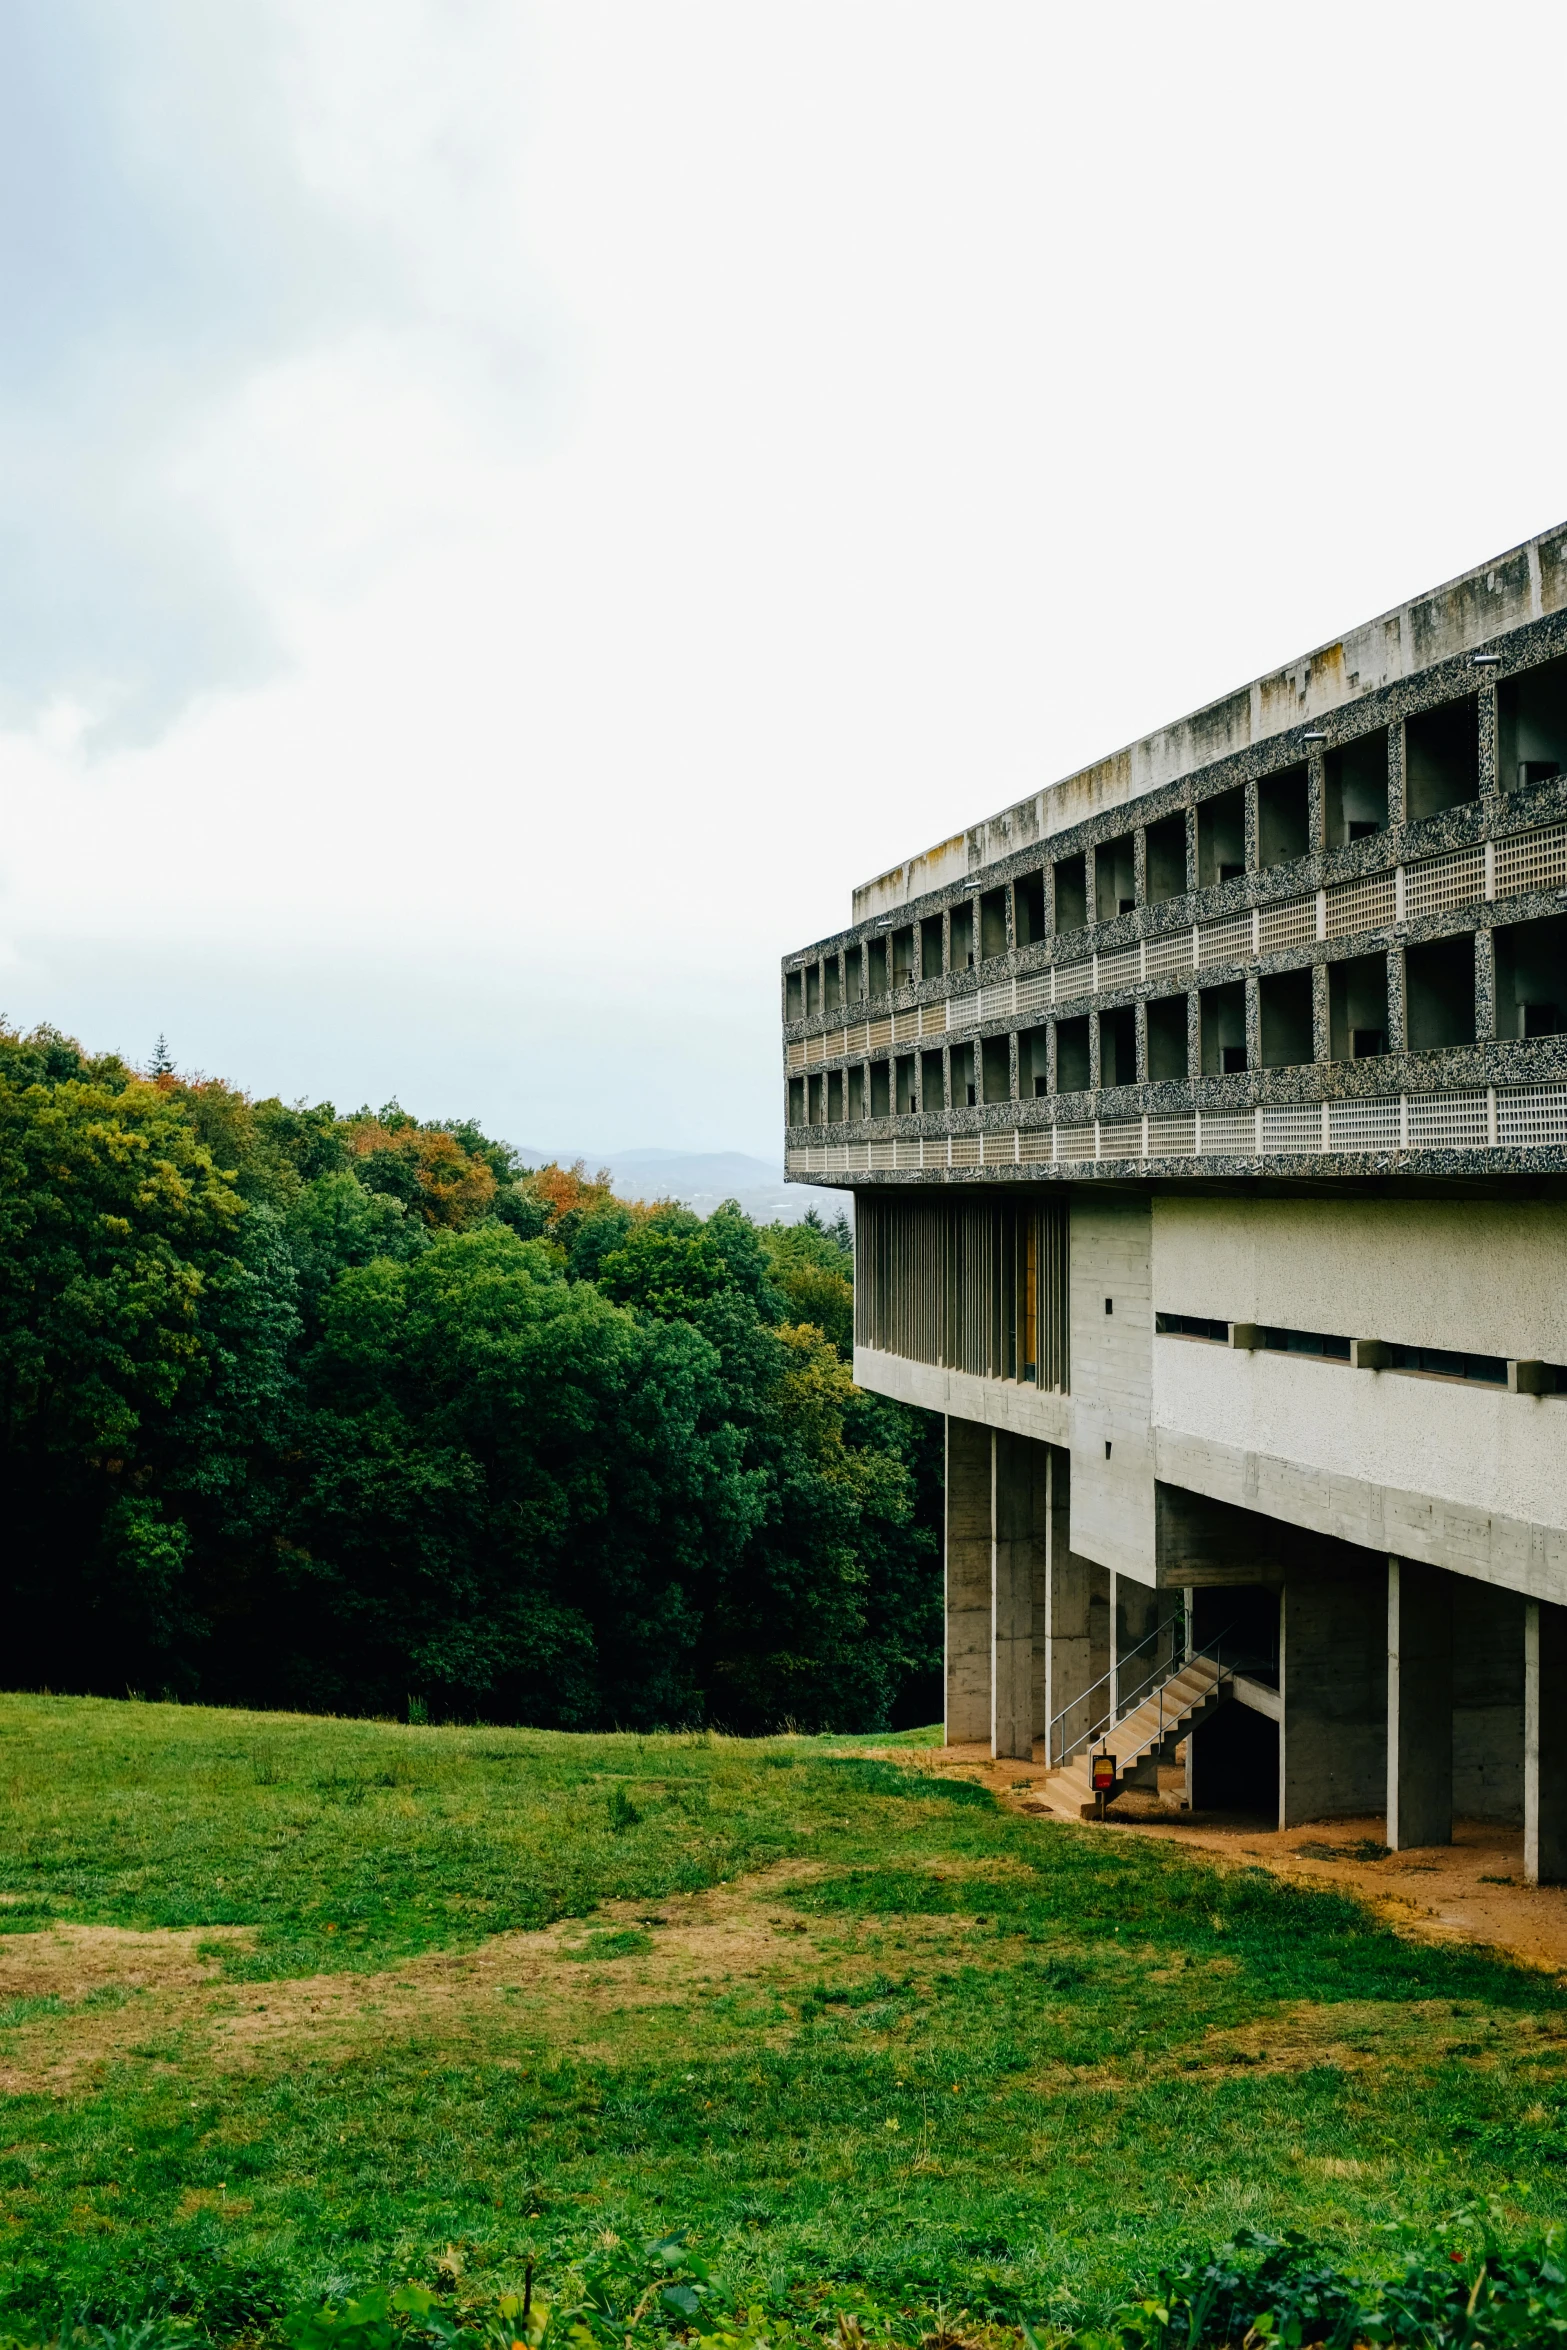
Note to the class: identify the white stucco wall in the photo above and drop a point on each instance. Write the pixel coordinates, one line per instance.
(1488, 1277)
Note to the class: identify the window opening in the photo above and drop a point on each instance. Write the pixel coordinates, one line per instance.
(1167, 859)
(1357, 789)
(930, 947)
(1531, 977)
(1028, 909)
(1283, 817)
(1286, 1019)
(963, 936)
(1303, 1342)
(1442, 758)
(1071, 893)
(1192, 1326)
(1118, 1046)
(1440, 1362)
(794, 995)
(1115, 883)
(1439, 993)
(1072, 1055)
(902, 957)
(1221, 838)
(992, 924)
(1223, 1029)
(1167, 1053)
(1033, 1063)
(1531, 726)
(1357, 1007)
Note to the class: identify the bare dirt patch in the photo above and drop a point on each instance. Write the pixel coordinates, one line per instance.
(1471, 1890)
(722, 1958)
(68, 1962)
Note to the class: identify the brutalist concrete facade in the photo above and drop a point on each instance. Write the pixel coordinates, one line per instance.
(1207, 1118)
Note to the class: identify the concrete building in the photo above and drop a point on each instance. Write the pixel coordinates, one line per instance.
(1206, 1116)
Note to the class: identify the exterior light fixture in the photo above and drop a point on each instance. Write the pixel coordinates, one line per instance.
(1314, 734)
(1485, 660)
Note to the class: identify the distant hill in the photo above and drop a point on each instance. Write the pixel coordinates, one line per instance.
(701, 1180)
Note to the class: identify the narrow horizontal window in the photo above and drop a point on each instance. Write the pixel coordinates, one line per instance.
(1305, 1342)
(1440, 1362)
(1192, 1326)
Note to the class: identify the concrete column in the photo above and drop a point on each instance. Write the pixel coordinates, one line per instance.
(1490, 781)
(968, 1583)
(1485, 985)
(1068, 1670)
(1076, 1643)
(1544, 1743)
(1333, 1684)
(1419, 1705)
(1018, 1553)
(1396, 794)
(1397, 1003)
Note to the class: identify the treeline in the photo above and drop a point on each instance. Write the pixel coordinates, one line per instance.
(360, 1414)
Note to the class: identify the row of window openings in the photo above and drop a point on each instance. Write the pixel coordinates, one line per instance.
(1441, 770)
(1371, 1354)
(1439, 1012)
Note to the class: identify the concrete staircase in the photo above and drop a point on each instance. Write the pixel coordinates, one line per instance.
(1144, 1737)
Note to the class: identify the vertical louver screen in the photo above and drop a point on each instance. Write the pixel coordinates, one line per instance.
(974, 1285)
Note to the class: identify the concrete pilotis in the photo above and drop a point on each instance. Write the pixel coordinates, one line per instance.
(1019, 1539)
(1545, 1743)
(1419, 1705)
(968, 1594)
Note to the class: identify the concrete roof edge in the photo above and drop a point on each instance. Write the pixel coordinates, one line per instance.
(1416, 634)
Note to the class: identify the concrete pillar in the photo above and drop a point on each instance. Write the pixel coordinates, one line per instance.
(1419, 1705)
(968, 1583)
(1333, 1686)
(1073, 1651)
(1068, 1643)
(1544, 1743)
(1019, 1520)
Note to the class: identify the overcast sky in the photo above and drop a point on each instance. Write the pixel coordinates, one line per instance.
(508, 512)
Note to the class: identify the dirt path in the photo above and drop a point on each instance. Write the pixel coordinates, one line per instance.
(1471, 1890)
(76, 1999)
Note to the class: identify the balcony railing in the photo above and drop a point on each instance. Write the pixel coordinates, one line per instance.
(1512, 867)
(1512, 1118)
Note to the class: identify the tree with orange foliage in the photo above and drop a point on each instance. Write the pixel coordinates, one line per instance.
(426, 1168)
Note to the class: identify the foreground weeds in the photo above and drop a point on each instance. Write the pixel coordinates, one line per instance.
(1463, 2291)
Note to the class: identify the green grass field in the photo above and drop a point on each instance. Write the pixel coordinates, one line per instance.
(290, 2005)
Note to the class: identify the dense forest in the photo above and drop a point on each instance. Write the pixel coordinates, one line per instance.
(359, 1414)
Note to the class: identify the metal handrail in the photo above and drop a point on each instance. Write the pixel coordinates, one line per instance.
(1110, 1680)
(1122, 1702)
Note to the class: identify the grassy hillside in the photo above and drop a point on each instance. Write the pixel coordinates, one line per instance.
(293, 2004)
